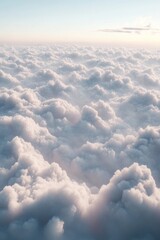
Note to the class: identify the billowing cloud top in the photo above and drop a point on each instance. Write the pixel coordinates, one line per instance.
(80, 143)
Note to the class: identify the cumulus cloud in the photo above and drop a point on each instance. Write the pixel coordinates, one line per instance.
(79, 142)
(6, 79)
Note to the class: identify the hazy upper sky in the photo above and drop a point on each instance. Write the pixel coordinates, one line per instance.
(84, 20)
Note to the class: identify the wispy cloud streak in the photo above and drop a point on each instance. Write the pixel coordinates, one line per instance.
(135, 30)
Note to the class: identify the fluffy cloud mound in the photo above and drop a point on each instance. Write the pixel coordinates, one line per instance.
(79, 143)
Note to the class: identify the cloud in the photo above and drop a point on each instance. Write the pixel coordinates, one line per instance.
(7, 79)
(79, 142)
(129, 196)
(133, 30)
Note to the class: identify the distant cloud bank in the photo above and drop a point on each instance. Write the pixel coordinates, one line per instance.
(79, 142)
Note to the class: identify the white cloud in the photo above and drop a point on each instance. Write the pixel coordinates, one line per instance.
(6, 79)
(79, 143)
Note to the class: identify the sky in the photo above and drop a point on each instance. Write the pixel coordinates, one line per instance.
(80, 21)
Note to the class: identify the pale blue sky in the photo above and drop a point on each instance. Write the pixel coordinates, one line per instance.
(71, 20)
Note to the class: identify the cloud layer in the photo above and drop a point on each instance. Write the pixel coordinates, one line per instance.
(80, 143)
